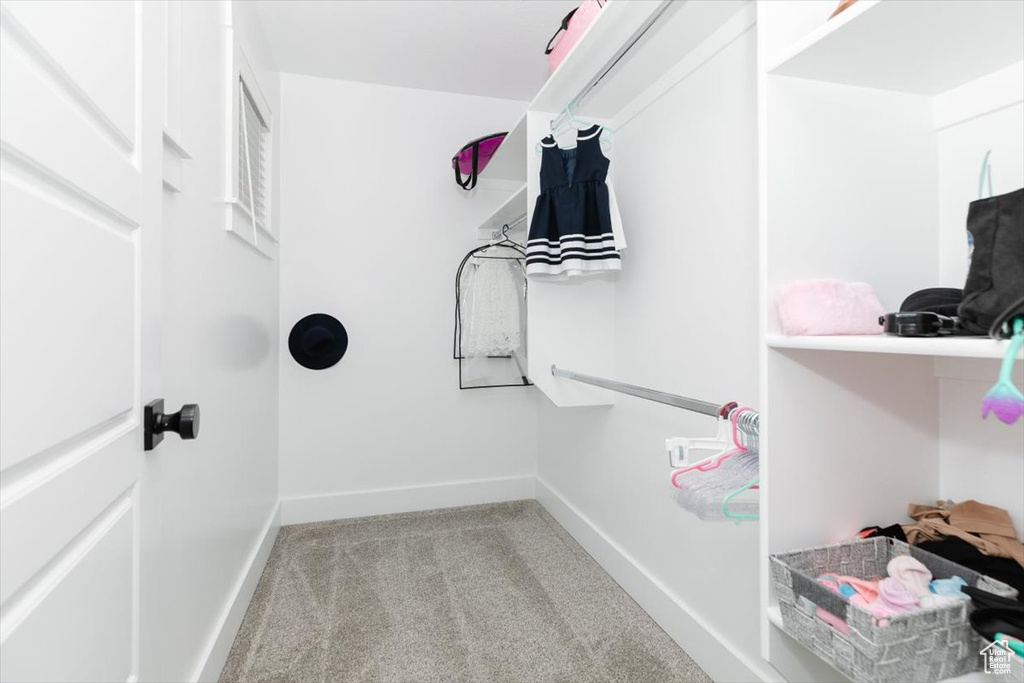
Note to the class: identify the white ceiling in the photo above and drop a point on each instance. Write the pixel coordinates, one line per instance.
(480, 47)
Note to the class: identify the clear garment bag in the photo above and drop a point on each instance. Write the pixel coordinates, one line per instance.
(490, 318)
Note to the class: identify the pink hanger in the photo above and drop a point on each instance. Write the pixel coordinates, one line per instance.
(714, 462)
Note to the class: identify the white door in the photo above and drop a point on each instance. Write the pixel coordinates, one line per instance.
(80, 153)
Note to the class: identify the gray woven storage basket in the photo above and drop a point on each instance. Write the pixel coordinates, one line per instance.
(922, 645)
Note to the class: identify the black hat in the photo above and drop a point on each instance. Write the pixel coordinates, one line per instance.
(318, 341)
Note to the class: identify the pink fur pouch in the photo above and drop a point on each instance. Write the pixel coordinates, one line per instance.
(817, 307)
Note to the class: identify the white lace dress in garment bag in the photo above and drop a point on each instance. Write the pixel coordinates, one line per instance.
(491, 308)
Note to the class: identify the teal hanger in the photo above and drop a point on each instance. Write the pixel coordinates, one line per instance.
(571, 120)
(737, 516)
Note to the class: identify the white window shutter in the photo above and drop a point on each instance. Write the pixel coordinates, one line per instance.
(253, 138)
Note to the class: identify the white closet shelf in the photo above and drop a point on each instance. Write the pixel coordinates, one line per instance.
(683, 27)
(509, 162)
(775, 618)
(912, 47)
(963, 347)
(511, 209)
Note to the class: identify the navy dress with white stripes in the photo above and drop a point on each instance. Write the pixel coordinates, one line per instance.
(571, 231)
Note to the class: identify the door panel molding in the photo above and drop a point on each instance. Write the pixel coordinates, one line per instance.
(63, 275)
(19, 169)
(31, 534)
(47, 67)
(39, 126)
(82, 601)
(26, 476)
(21, 604)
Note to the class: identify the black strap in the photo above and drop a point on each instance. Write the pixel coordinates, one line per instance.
(563, 27)
(470, 181)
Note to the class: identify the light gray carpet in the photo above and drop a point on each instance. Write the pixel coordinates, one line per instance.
(484, 593)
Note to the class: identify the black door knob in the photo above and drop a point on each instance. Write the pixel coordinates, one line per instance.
(185, 422)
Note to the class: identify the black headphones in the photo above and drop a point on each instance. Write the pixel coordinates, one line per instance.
(917, 324)
(929, 323)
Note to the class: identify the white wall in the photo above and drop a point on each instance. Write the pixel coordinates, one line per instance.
(374, 228)
(686, 323)
(977, 458)
(219, 336)
(971, 120)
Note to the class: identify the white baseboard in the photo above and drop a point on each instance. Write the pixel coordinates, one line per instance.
(705, 644)
(216, 653)
(303, 509)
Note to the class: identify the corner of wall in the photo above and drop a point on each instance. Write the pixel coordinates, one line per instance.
(714, 651)
(226, 628)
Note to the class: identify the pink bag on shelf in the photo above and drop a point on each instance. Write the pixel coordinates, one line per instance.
(823, 307)
(573, 26)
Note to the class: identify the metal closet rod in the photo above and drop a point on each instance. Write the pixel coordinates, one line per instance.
(633, 40)
(692, 404)
(517, 221)
(503, 230)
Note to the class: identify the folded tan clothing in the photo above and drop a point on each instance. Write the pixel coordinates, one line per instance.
(995, 535)
(979, 518)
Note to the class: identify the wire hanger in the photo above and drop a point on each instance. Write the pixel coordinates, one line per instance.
(504, 242)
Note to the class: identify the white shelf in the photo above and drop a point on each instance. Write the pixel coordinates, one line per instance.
(511, 209)
(615, 23)
(924, 48)
(509, 162)
(962, 347)
(775, 618)
(682, 28)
